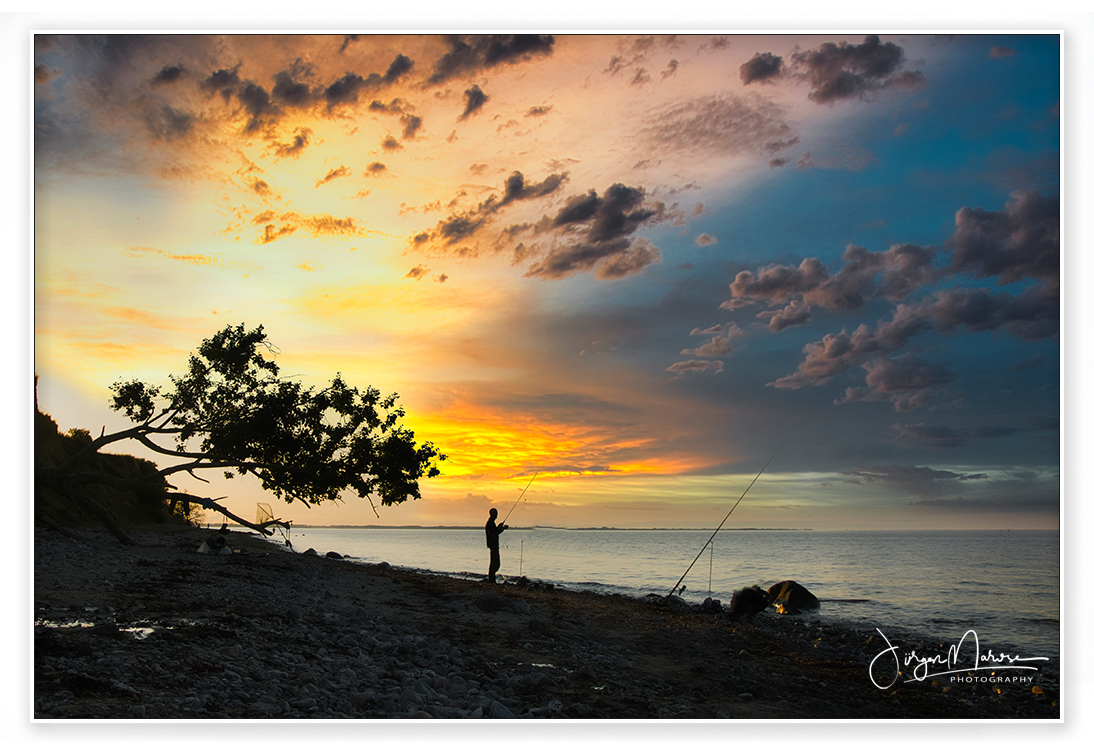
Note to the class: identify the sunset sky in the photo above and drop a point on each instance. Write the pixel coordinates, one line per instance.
(636, 265)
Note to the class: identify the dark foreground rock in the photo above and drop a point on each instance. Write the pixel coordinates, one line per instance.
(162, 631)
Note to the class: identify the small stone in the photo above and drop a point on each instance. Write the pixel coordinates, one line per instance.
(501, 711)
(579, 710)
(363, 699)
(410, 698)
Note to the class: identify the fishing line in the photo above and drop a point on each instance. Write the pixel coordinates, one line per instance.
(519, 498)
(700, 554)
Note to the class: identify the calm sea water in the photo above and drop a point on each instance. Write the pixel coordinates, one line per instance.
(1005, 585)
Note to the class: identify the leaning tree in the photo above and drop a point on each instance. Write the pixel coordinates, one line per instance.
(231, 412)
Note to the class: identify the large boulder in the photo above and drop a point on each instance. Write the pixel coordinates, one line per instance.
(790, 597)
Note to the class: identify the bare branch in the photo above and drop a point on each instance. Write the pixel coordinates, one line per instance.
(210, 504)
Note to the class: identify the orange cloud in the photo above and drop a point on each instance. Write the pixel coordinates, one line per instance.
(315, 225)
(137, 316)
(197, 260)
(339, 172)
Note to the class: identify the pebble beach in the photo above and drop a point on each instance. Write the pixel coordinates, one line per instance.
(169, 630)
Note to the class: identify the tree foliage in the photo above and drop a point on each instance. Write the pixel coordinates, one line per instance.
(231, 411)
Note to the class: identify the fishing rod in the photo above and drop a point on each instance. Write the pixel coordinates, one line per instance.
(700, 554)
(519, 498)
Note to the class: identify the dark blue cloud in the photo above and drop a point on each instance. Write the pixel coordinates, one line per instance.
(467, 55)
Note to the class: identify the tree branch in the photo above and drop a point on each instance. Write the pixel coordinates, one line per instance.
(137, 432)
(164, 450)
(91, 448)
(210, 504)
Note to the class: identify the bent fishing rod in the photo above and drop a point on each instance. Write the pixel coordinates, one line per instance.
(700, 554)
(519, 498)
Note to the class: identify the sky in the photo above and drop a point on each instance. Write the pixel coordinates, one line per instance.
(636, 267)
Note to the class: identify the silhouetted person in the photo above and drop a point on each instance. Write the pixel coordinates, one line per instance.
(493, 530)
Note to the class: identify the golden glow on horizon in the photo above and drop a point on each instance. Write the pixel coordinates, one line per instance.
(508, 446)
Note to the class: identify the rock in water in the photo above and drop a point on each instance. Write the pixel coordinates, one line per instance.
(790, 597)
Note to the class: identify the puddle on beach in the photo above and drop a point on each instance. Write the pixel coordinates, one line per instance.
(68, 624)
(139, 632)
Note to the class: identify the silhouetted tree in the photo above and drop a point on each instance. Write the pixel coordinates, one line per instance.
(230, 411)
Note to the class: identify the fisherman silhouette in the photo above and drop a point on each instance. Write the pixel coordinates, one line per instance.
(493, 530)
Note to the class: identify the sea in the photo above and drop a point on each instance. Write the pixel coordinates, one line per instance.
(1004, 585)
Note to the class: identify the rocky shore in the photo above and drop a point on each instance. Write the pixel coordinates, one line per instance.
(165, 631)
